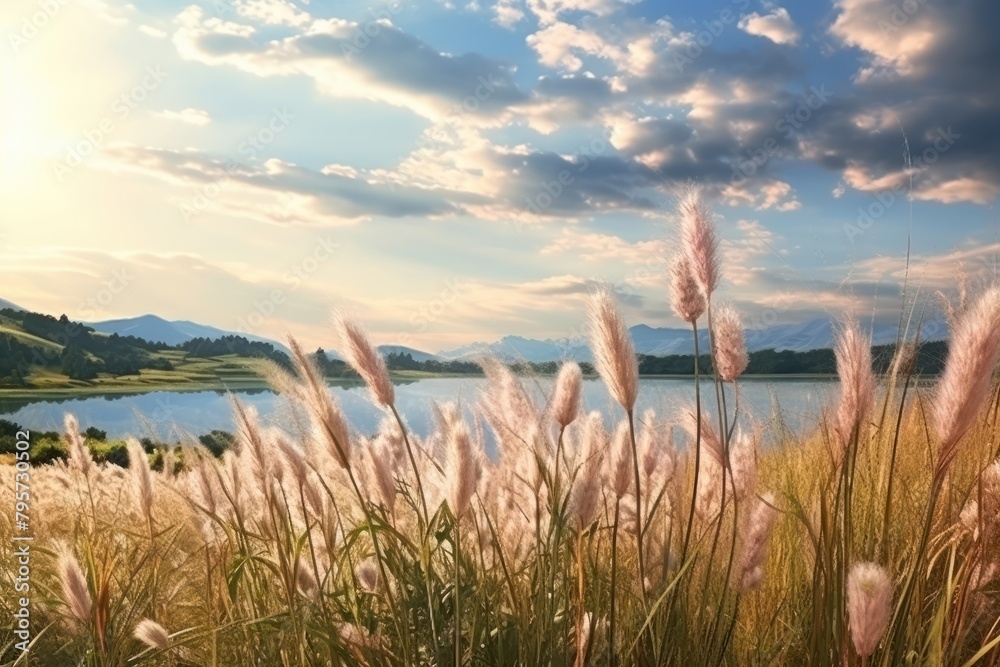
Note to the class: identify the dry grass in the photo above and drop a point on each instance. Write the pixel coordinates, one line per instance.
(588, 540)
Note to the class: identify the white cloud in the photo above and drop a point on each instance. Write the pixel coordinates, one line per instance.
(593, 247)
(273, 12)
(508, 13)
(189, 115)
(763, 195)
(897, 45)
(152, 32)
(777, 26)
(278, 192)
(392, 67)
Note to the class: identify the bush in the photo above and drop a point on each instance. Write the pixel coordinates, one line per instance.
(114, 452)
(217, 442)
(94, 433)
(48, 450)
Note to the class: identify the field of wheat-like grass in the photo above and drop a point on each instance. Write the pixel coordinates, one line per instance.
(589, 539)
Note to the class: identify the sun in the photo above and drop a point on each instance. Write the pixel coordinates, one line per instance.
(22, 142)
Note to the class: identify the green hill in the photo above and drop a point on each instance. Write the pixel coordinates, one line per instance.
(40, 352)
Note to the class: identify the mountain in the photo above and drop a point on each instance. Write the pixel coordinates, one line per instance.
(663, 341)
(517, 348)
(417, 355)
(154, 328)
(4, 303)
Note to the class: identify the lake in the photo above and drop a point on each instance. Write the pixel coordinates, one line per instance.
(172, 416)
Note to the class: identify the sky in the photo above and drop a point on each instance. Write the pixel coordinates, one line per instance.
(456, 171)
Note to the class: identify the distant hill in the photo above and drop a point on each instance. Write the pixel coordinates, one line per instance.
(4, 303)
(813, 334)
(156, 329)
(417, 355)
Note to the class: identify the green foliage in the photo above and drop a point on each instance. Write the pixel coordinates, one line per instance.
(79, 365)
(94, 433)
(109, 451)
(218, 442)
(48, 450)
(238, 345)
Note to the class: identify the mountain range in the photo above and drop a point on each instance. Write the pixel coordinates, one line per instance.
(663, 341)
(657, 341)
(156, 329)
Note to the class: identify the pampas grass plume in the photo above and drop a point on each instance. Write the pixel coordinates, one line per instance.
(686, 299)
(614, 354)
(566, 397)
(968, 373)
(730, 344)
(619, 471)
(75, 592)
(699, 241)
(463, 469)
(367, 575)
(152, 634)
(857, 382)
(758, 530)
(142, 477)
(362, 356)
(79, 455)
(869, 603)
(586, 491)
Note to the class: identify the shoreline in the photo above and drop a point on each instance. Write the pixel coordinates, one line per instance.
(251, 383)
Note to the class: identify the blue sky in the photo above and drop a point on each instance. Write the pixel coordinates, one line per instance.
(253, 164)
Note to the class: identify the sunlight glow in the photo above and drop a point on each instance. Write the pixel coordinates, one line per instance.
(22, 140)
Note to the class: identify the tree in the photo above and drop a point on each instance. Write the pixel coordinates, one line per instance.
(94, 433)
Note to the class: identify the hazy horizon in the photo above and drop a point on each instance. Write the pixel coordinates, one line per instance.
(452, 173)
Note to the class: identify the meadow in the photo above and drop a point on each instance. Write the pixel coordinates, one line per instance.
(590, 539)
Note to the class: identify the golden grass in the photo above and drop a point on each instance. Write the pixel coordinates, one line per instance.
(225, 582)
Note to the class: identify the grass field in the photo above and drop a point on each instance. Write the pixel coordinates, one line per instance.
(589, 539)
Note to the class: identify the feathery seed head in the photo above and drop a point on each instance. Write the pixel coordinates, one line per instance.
(566, 397)
(730, 344)
(699, 241)
(507, 407)
(380, 461)
(141, 476)
(857, 383)
(869, 604)
(368, 575)
(79, 455)
(75, 591)
(463, 468)
(362, 356)
(152, 634)
(619, 471)
(968, 373)
(614, 353)
(586, 491)
(686, 298)
(757, 530)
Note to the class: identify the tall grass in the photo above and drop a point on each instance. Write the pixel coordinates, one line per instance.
(588, 539)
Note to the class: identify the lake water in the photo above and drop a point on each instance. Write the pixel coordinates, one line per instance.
(172, 416)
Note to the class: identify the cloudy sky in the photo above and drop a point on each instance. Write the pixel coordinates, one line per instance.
(454, 171)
